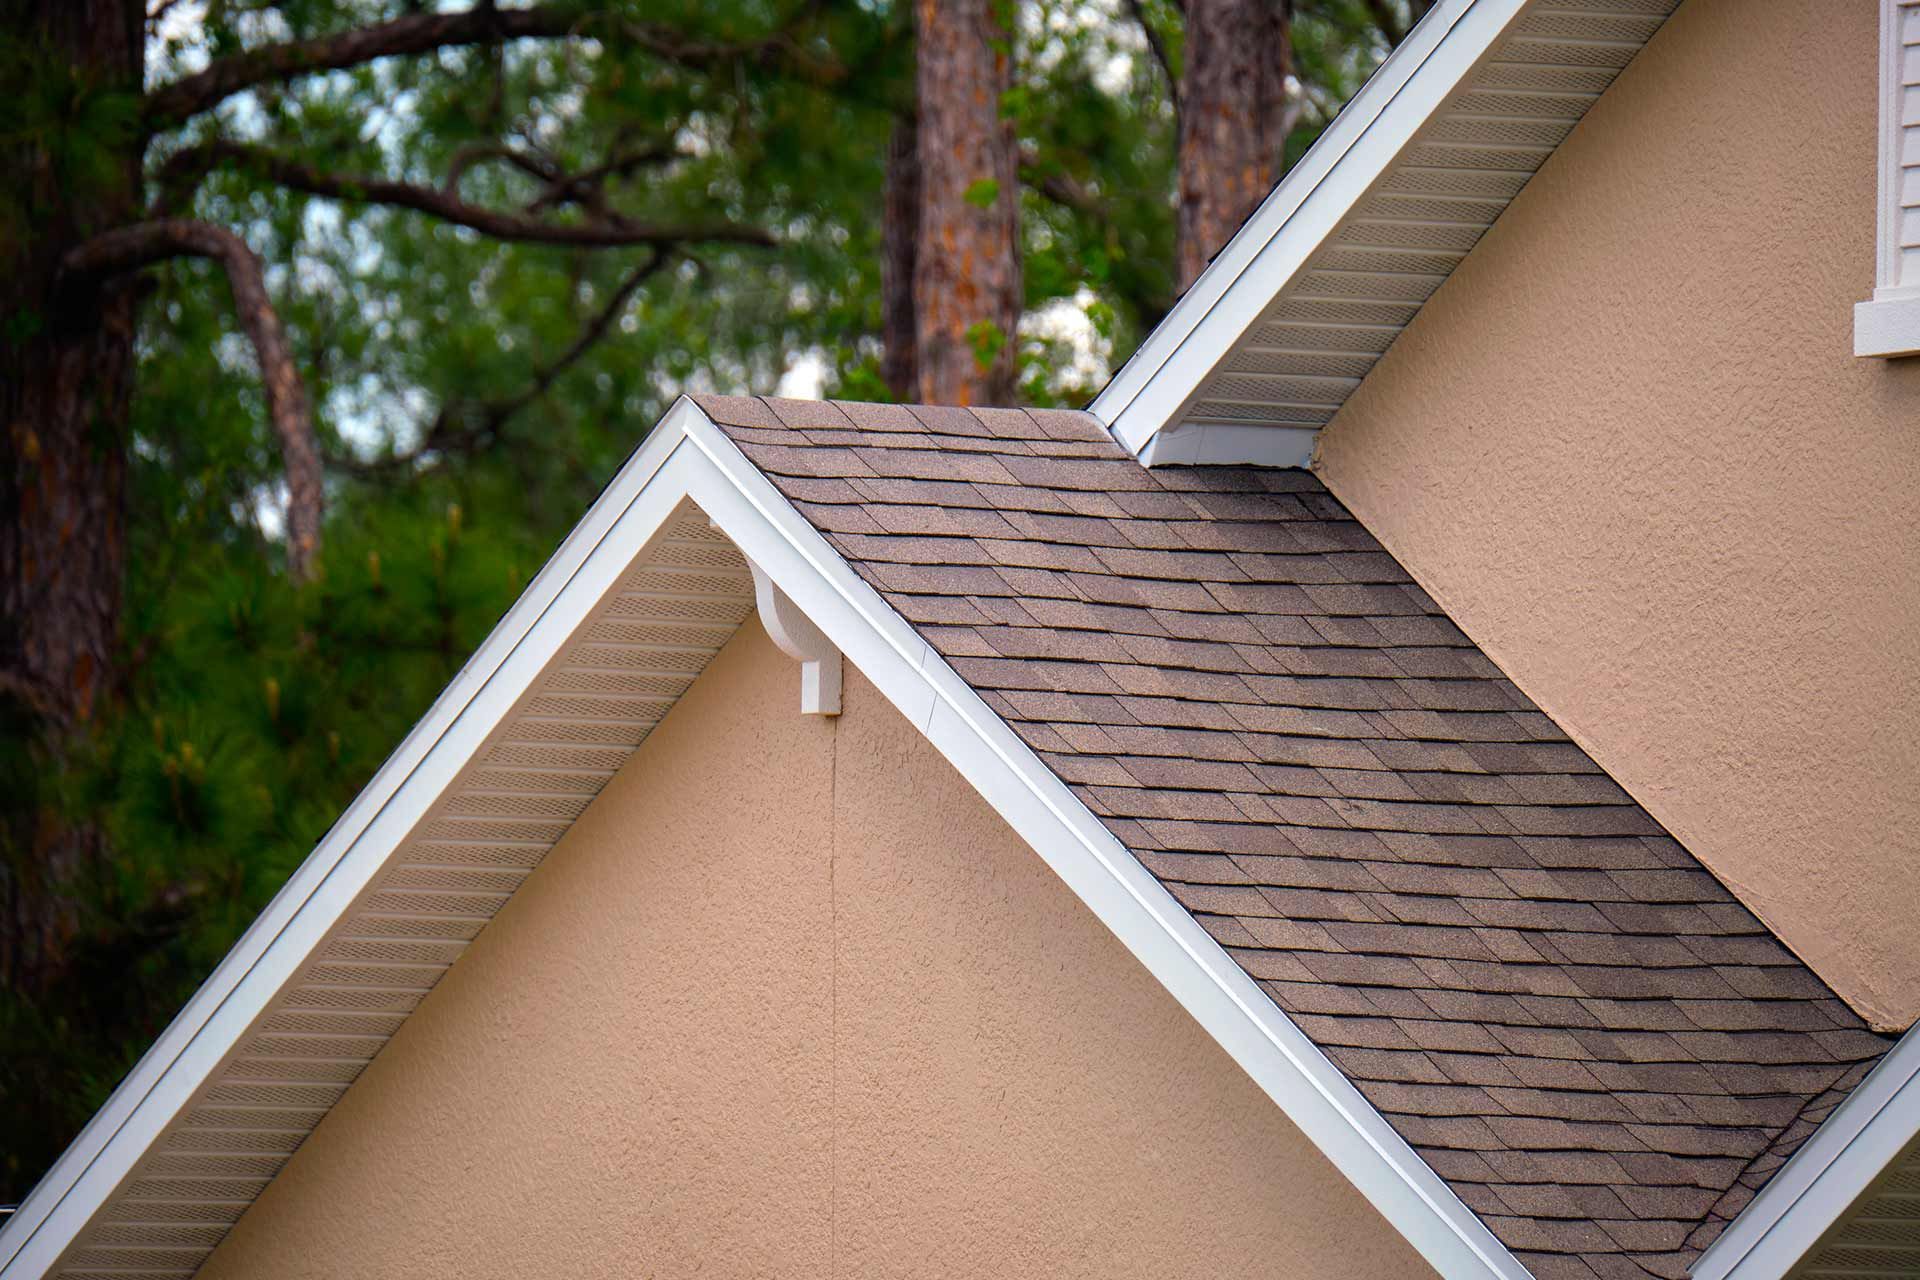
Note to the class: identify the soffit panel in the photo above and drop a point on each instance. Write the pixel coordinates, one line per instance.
(648, 640)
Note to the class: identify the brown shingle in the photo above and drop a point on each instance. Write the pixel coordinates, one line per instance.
(1547, 995)
(804, 460)
(809, 413)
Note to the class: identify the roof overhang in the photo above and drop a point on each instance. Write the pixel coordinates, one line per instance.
(1275, 335)
(689, 476)
(1848, 1203)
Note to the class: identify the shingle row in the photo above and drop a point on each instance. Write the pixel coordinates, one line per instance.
(1575, 1023)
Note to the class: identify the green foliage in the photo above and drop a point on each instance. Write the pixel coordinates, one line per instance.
(75, 127)
(987, 340)
(253, 710)
(981, 193)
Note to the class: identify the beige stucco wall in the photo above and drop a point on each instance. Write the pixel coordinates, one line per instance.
(1628, 448)
(792, 1000)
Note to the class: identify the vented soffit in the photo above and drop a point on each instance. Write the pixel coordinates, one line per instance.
(641, 647)
(1269, 343)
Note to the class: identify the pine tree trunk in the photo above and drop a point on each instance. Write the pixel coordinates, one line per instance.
(899, 244)
(66, 380)
(967, 272)
(1234, 120)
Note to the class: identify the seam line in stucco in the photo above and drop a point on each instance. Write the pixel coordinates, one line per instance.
(833, 998)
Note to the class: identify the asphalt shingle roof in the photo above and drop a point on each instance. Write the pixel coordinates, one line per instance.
(1596, 1045)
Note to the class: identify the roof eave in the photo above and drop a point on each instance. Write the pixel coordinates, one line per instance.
(1837, 1166)
(1165, 375)
(687, 457)
(348, 859)
(1314, 1093)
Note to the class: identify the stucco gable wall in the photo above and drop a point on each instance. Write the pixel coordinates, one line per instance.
(792, 1000)
(1628, 448)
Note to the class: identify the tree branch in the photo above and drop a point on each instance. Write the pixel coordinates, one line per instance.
(127, 249)
(418, 33)
(467, 425)
(414, 33)
(594, 330)
(609, 231)
(1061, 187)
(559, 187)
(467, 157)
(583, 188)
(1160, 55)
(1386, 20)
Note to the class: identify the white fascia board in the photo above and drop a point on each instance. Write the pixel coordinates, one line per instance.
(1165, 375)
(1219, 444)
(1826, 1176)
(688, 457)
(1315, 1095)
(348, 859)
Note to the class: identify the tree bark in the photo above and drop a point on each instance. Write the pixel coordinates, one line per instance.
(66, 383)
(899, 247)
(1234, 119)
(125, 249)
(967, 271)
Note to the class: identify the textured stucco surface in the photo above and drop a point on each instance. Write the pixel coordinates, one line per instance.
(791, 1000)
(1628, 448)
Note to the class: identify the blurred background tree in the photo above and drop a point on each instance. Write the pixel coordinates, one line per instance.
(324, 320)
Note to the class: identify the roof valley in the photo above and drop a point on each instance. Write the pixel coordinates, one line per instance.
(1779, 1149)
(1572, 1021)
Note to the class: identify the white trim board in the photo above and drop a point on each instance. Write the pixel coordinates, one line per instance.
(687, 457)
(1887, 327)
(1186, 960)
(1163, 377)
(1319, 283)
(1217, 444)
(337, 874)
(1888, 324)
(1826, 1177)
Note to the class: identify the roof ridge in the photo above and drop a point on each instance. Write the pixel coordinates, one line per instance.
(1496, 994)
(1568, 1016)
(690, 507)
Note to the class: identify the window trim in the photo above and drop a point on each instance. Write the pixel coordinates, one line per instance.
(1888, 324)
